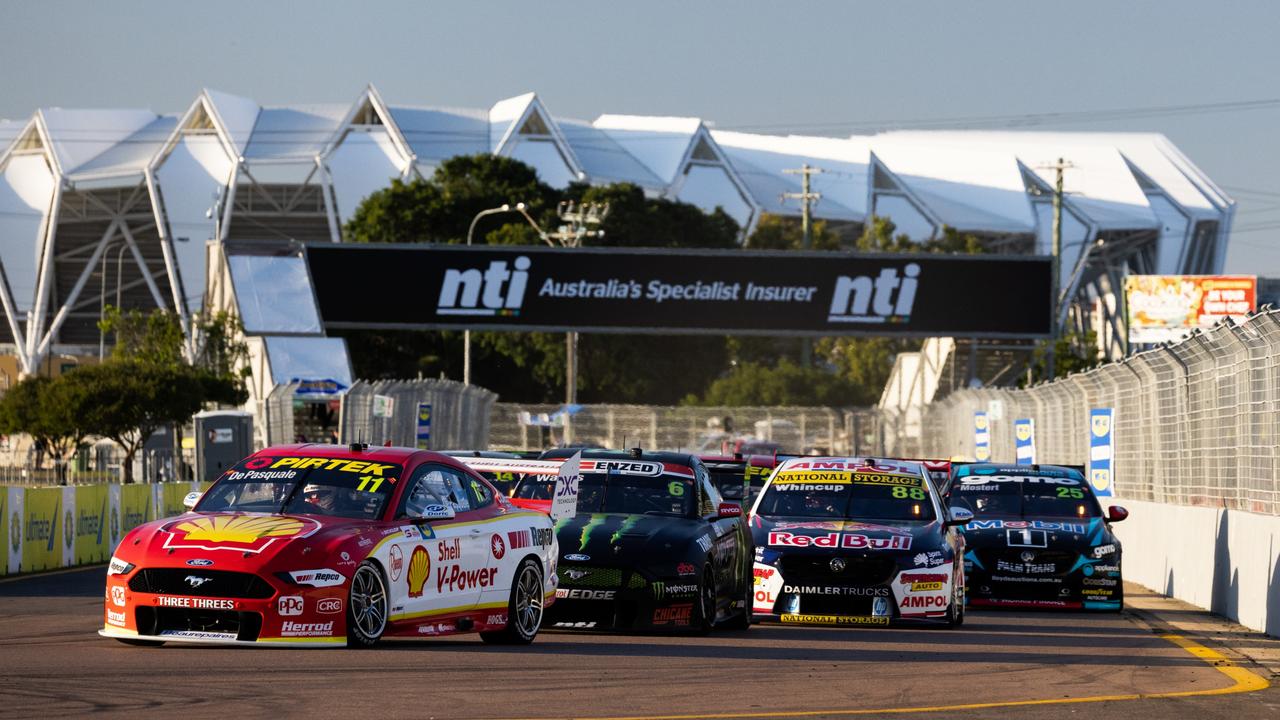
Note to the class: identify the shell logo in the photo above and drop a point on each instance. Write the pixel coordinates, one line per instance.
(419, 571)
(240, 533)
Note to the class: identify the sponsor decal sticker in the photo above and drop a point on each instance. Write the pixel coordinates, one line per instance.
(195, 603)
(199, 562)
(237, 533)
(582, 625)
(395, 558)
(117, 595)
(419, 571)
(673, 615)
(833, 619)
(497, 546)
(496, 619)
(452, 578)
(329, 606)
(318, 578)
(289, 605)
(622, 467)
(928, 559)
(584, 594)
(996, 524)
(115, 618)
(852, 541)
(298, 629)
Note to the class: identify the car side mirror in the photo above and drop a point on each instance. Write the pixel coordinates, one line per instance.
(1115, 513)
(189, 502)
(729, 510)
(434, 512)
(958, 516)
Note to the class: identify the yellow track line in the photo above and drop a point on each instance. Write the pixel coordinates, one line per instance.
(1244, 681)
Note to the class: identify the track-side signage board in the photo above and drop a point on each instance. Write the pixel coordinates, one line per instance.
(680, 291)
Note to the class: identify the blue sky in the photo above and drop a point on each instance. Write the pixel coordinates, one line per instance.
(816, 67)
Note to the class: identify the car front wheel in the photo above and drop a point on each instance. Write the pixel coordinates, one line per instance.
(366, 606)
(524, 609)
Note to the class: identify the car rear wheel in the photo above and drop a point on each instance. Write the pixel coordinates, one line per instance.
(705, 610)
(524, 609)
(743, 621)
(366, 606)
(955, 609)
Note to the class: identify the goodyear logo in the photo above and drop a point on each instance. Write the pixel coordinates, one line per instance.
(419, 571)
(244, 533)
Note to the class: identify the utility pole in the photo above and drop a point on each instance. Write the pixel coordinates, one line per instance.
(807, 200)
(1058, 169)
(577, 221)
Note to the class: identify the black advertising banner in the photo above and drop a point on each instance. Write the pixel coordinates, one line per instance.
(630, 290)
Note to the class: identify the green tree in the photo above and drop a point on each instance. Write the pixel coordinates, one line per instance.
(530, 366)
(1073, 353)
(776, 232)
(783, 383)
(129, 400)
(48, 411)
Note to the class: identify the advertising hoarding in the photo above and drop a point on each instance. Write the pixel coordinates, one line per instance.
(643, 290)
(1166, 308)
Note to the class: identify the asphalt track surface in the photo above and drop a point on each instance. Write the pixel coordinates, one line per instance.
(1001, 664)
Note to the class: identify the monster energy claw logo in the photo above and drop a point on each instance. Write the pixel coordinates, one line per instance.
(659, 588)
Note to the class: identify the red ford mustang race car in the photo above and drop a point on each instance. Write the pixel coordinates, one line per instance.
(324, 545)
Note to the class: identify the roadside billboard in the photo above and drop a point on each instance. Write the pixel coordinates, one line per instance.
(1164, 308)
(674, 291)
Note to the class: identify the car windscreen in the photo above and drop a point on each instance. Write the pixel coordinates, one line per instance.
(336, 487)
(1009, 495)
(663, 494)
(535, 487)
(850, 495)
(738, 481)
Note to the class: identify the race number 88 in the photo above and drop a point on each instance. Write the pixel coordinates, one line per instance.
(903, 493)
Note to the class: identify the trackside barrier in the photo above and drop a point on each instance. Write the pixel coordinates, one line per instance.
(62, 527)
(1194, 454)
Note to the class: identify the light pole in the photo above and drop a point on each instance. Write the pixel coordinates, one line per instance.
(466, 334)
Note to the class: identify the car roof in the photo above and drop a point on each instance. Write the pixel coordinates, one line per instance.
(1030, 470)
(399, 455)
(913, 467)
(754, 460)
(686, 459)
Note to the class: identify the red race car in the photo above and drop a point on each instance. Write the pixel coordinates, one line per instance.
(326, 546)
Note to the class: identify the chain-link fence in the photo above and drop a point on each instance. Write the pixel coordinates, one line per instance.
(710, 430)
(456, 415)
(1196, 423)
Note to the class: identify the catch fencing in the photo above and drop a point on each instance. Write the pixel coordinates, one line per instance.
(1196, 422)
(708, 430)
(458, 414)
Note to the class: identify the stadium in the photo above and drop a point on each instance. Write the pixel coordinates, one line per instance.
(139, 210)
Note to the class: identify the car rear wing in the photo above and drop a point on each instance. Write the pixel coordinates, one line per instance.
(512, 465)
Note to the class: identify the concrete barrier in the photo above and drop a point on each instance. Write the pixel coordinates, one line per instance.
(1226, 561)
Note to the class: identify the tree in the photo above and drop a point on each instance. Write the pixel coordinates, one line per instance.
(155, 339)
(1072, 352)
(47, 410)
(129, 400)
(529, 367)
(784, 383)
(776, 232)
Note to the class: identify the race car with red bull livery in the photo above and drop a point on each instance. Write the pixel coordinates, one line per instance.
(1038, 538)
(850, 541)
(329, 546)
(653, 546)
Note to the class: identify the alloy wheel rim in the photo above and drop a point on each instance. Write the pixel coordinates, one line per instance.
(368, 602)
(528, 603)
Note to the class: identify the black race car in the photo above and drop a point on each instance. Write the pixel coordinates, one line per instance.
(1038, 538)
(856, 541)
(739, 477)
(653, 547)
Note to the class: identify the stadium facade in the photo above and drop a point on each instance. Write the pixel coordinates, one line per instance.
(131, 208)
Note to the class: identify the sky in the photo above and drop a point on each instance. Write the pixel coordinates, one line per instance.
(807, 66)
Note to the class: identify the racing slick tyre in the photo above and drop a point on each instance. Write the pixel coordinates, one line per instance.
(704, 612)
(366, 606)
(743, 621)
(524, 609)
(955, 608)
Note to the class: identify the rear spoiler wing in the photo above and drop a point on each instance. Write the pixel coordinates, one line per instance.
(515, 465)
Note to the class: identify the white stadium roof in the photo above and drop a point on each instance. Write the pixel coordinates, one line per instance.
(147, 191)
